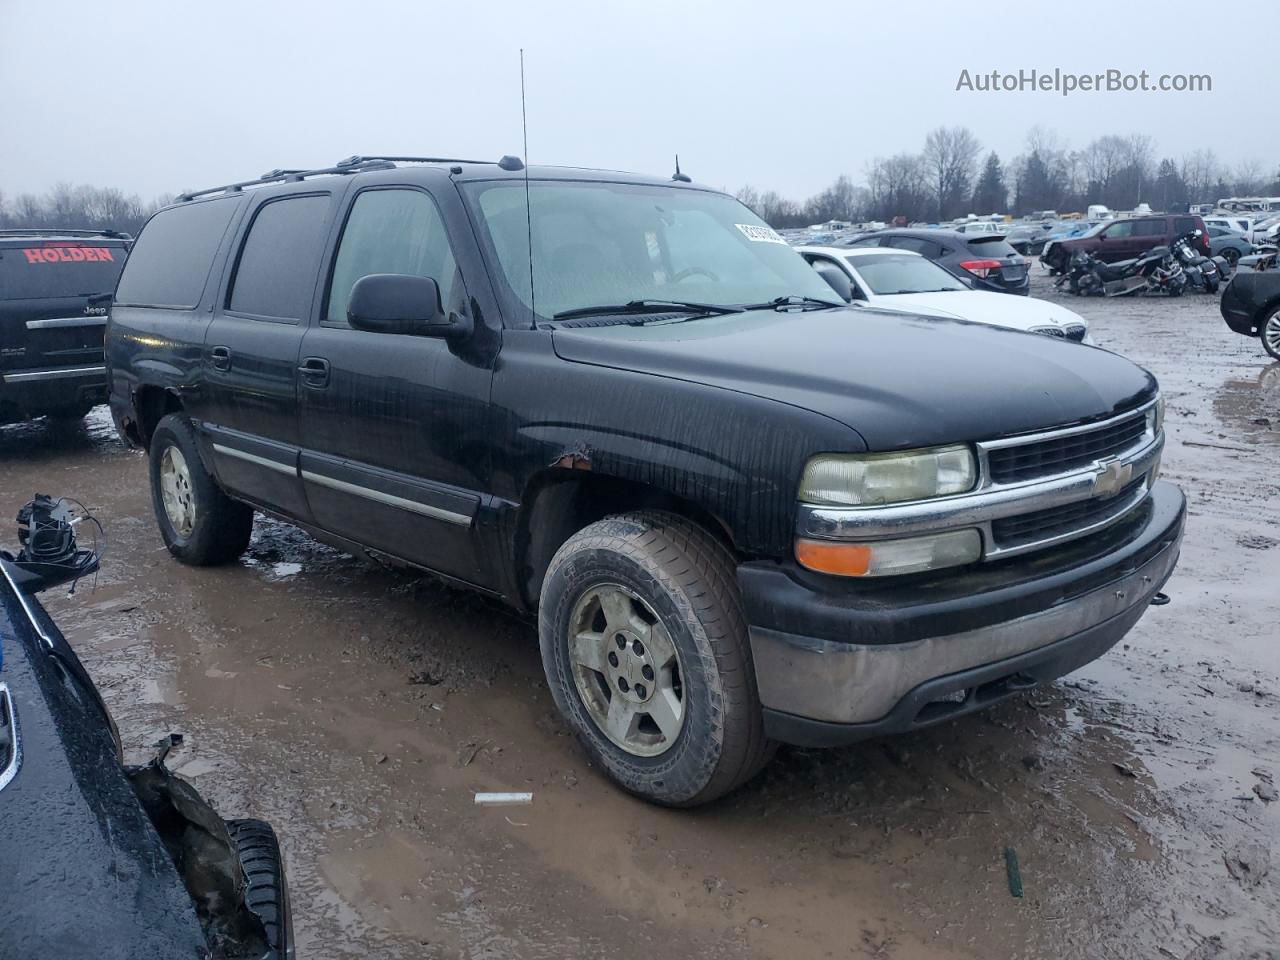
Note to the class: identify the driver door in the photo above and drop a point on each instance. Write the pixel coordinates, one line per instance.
(394, 425)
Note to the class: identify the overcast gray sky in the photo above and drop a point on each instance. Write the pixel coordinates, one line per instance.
(153, 97)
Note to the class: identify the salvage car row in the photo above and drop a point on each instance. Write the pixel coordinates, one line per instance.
(750, 495)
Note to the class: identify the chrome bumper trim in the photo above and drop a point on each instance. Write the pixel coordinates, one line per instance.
(54, 322)
(54, 373)
(861, 683)
(994, 501)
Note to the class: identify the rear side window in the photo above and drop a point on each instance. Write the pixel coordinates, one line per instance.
(171, 260)
(995, 247)
(276, 272)
(1149, 228)
(44, 270)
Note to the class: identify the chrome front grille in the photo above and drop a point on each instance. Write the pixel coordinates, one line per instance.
(1033, 491)
(1083, 515)
(1058, 453)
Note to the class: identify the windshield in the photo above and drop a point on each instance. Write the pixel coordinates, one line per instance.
(891, 273)
(611, 243)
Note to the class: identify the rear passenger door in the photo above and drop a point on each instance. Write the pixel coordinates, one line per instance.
(251, 348)
(1150, 233)
(394, 425)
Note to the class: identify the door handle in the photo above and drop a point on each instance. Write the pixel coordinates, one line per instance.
(220, 357)
(315, 372)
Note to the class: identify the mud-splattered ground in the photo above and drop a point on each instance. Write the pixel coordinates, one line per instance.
(359, 709)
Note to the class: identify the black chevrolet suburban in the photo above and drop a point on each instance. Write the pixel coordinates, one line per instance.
(54, 285)
(742, 513)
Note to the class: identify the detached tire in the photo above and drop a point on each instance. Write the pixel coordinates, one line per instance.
(267, 895)
(199, 523)
(647, 655)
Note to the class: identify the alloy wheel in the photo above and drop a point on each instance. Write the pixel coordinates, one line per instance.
(626, 670)
(176, 493)
(1271, 334)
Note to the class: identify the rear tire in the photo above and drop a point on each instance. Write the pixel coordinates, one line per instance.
(199, 523)
(267, 895)
(709, 738)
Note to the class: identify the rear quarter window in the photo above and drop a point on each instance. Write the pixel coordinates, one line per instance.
(172, 257)
(42, 270)
(1183, 225)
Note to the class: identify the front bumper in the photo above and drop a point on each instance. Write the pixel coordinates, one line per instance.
(839, 662)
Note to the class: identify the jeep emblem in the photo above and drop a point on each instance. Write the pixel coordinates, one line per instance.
(1111, 478)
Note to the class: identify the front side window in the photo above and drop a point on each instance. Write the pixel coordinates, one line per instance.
(392, 231)
(600, 243)
(888, 274)
(276, 272)
(1119, 231)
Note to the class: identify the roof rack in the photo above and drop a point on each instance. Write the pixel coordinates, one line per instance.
(352, 164)
(54, 232)
(358, 159)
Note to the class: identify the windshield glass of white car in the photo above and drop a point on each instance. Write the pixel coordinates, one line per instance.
(888, 273)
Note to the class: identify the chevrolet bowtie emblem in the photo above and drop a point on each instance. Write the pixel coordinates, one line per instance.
(1112, 477)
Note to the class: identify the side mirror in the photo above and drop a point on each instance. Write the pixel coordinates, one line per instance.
(837, 280)
(398, 303)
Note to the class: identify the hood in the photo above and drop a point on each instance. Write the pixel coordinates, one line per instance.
(899, 381)
(982, 306)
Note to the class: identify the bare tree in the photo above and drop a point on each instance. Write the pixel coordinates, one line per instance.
(1247, 178)
(69, 206)
(1200, 172)
(950, 154)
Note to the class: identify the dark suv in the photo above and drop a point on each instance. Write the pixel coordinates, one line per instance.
(54, 288)
(984, 261)
(741, 512)
(1125, 239)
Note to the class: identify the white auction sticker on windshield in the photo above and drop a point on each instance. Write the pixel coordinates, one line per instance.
(759, 234)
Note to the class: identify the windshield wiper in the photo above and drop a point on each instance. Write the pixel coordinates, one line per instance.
(646, 306)
(780, 303)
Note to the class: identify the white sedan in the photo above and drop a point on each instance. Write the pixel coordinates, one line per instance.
(907, 282)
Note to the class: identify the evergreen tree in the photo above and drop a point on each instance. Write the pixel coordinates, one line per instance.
(991, 195)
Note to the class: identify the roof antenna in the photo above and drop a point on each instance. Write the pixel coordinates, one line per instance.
(678, 176)
(528, 210)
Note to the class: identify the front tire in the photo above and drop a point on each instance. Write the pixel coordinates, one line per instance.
(647, 655)
(199, 524)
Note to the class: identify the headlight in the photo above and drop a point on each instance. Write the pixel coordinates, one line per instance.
(1155, 416)
(854, 480)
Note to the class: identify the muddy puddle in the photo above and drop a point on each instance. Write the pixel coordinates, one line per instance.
(360, 709)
